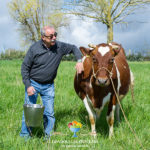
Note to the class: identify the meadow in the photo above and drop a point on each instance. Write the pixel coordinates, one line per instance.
(69, 107)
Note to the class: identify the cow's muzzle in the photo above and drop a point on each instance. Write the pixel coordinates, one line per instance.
(102, 81)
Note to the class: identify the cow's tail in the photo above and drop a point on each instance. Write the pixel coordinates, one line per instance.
(132, 85)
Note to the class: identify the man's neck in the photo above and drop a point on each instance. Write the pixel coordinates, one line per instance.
(46, 45)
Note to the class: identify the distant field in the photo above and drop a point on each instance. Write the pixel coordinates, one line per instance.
(69, 107)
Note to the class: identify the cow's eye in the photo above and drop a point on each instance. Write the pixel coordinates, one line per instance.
(111, 60)
(94, 60)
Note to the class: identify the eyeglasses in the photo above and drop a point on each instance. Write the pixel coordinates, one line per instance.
(51, 35)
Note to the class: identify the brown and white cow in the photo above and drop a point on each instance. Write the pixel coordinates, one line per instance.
(94, 86)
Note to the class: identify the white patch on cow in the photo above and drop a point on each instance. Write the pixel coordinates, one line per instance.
(88, 107)
(106, 99)
(90, 82)
(103, 50)
(91, 48)
(114, 108)
(112, 112)
(131, 77)
(89, 101)
(83, 59)
(111, 116)
(111, 128)
(118, 76)
(91, 113)
(124, 67)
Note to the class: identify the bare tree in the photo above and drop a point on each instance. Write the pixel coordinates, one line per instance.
(31, 15)
(108, 12)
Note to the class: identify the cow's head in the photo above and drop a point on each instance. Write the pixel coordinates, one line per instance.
(101, 59)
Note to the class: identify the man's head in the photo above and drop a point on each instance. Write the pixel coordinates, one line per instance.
(48, 35)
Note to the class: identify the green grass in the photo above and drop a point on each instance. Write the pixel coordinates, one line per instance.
(69, 107)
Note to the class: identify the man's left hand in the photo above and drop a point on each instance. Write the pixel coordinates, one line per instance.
(79, 67)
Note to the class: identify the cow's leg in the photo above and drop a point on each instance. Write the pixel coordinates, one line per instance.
(110, 118)
(132, 85)
(118, 108)
(118, 112)
(105, 101)
(92, 115)
(98, 112)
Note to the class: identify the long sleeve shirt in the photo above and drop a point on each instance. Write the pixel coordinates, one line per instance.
(41, 63)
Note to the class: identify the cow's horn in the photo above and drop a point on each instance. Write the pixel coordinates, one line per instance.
(115, 46)
(91, 46)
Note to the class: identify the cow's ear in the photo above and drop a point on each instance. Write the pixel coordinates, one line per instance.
(85, 51)
(116, 49)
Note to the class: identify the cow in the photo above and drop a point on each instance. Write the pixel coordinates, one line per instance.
(102, 63)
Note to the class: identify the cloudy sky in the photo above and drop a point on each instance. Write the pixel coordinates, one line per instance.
(134, 36)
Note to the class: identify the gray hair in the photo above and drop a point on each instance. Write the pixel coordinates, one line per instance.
(43, 30)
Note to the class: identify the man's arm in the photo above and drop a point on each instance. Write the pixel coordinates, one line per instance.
(68, 48)
(25, 68)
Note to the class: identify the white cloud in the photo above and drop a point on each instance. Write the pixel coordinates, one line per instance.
(4, 20)
(135, 36)
(8, 36)
(82, 33)
(136, 39)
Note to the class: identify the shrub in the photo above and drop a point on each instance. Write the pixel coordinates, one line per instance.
(12, 54)
(70, 57)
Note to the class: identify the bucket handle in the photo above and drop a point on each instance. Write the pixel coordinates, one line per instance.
(28, 102)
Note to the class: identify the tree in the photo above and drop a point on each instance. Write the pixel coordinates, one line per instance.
(108, 12)
(31, 15)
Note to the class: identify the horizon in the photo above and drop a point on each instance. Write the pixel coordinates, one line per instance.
(133, 37)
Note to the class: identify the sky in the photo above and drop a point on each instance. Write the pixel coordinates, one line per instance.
(134, 36)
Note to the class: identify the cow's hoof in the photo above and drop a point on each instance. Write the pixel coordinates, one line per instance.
(94, 134)
(111, 136)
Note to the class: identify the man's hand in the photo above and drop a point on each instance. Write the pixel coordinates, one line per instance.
(30, 91)
(79, 67)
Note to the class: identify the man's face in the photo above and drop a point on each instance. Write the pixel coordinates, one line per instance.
(50, 37)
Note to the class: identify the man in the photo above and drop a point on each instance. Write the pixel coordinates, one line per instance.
(39, 70)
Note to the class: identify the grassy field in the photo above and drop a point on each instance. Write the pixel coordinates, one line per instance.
(69, 107)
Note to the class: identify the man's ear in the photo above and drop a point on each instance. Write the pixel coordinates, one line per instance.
(85, 51)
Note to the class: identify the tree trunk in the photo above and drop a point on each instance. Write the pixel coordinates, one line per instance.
(110, 33)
